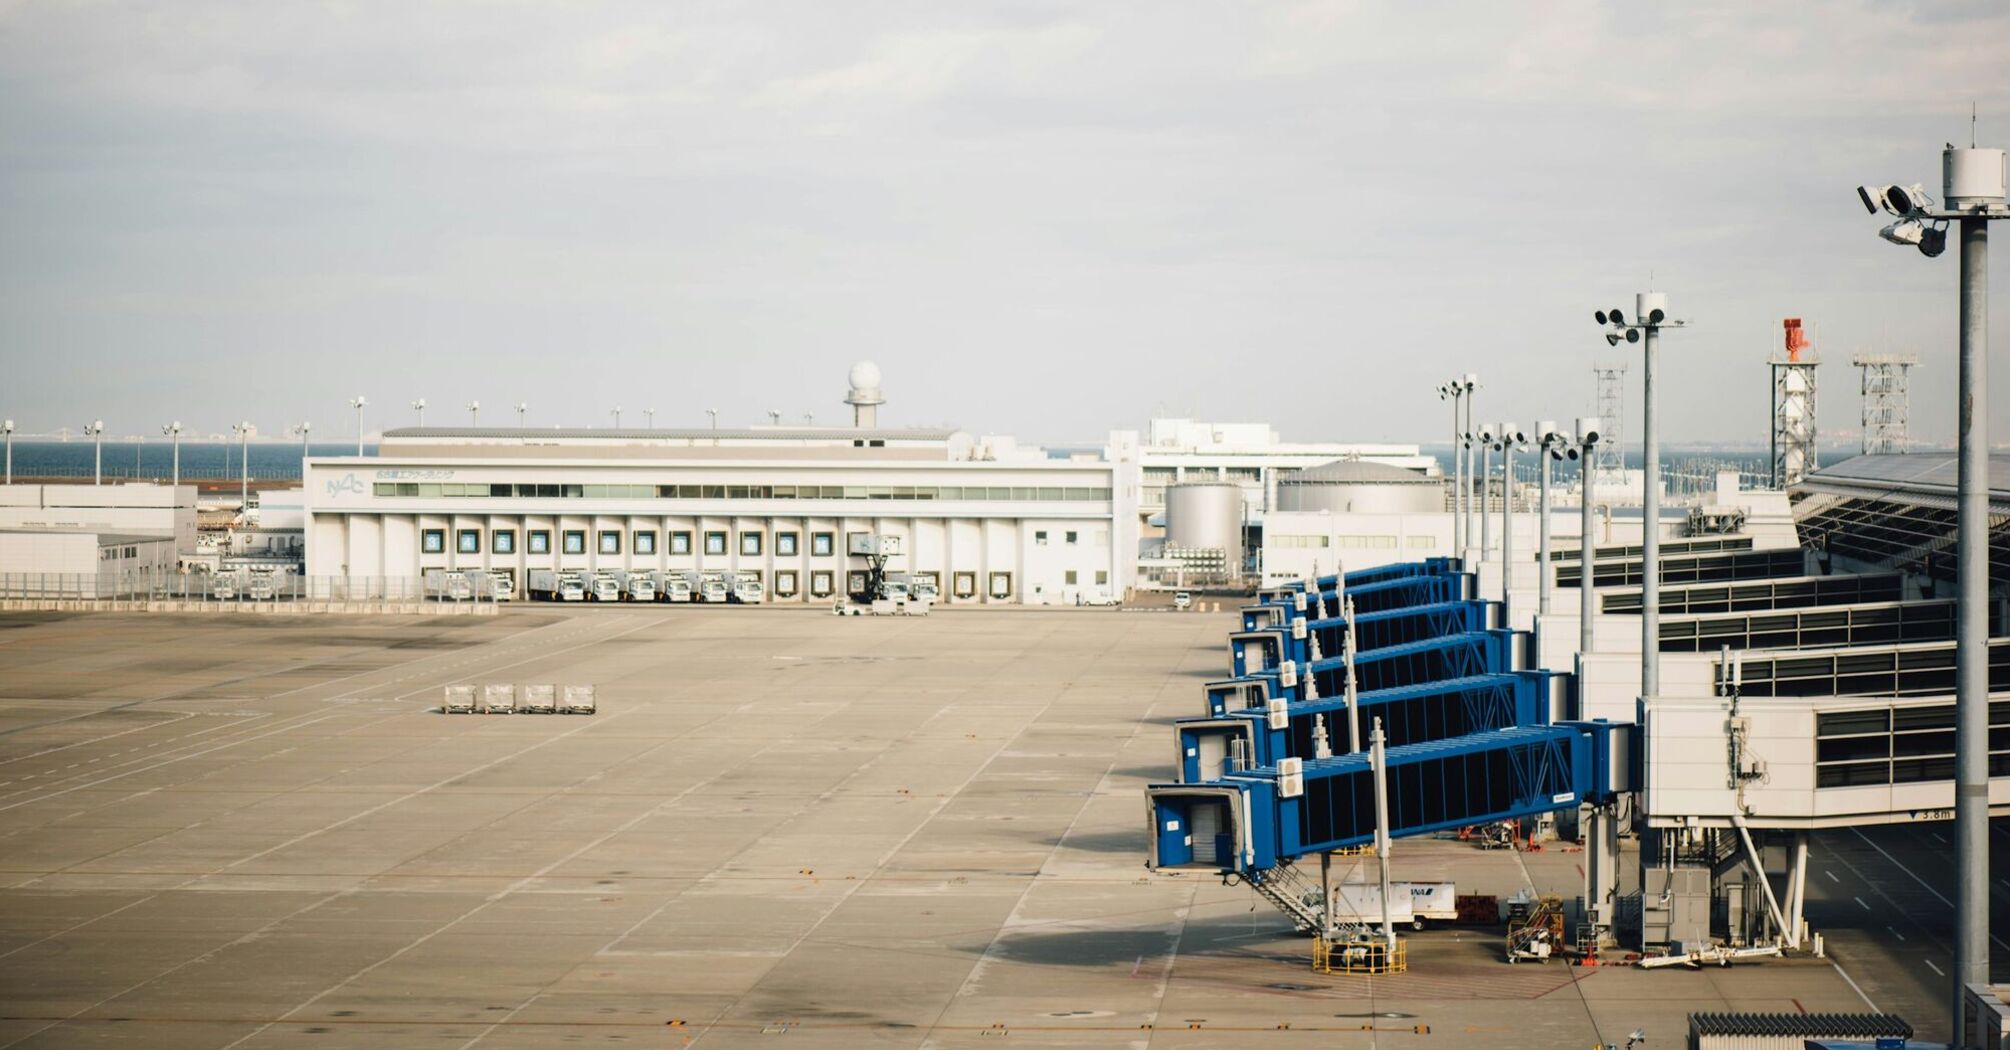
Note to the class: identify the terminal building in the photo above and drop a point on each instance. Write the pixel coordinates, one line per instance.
(984, 520)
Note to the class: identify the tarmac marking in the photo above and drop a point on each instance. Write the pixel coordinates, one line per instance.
(1895, 933)
(1861, 904)
(1915, 877)
(1935, 969)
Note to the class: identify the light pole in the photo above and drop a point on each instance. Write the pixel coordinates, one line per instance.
(1471, 383)
(1650, 315)
(1551, 445)
(474, 413)
(96, 428)
(522, 407)
(1511, 438)
(302, 430)
(7, 430)
(1454, 393)
(617, 417)
(774, 417)
(714, 413)
(244, 464)
(1587, 443)
(1973, 190)
(357, 403)
(1485, 436)
(173, 432)
(649, 414)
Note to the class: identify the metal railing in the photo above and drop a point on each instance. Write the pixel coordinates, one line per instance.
(233, 588)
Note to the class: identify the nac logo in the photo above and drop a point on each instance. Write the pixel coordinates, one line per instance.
(348, 483)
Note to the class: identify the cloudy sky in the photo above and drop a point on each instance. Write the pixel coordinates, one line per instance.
(1041, 218)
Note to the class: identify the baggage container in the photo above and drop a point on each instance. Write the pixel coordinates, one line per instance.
(499, 698)
(579, 700)
(458, 700)
(540, 699)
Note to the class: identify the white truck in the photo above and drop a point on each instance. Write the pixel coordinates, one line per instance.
(551, 585)
(605, 588)
(926, 590)
(712, 588)
(637, 585)
(498, 586)
(672, 586)
(746, 588)
(224, 587)
(1411, 904)
(445, 586)
(259, 587)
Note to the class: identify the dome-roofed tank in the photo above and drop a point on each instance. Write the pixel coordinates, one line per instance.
(1360, 486)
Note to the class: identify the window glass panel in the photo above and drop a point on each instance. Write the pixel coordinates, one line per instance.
(540, 541)
(680, 543)
(785, 544)
(645, 542)
(715, 543)
(503, 541)
(468, 541)
(610, 542)
(575, 541)
(433, 541)
(822, 544)
(750, 543)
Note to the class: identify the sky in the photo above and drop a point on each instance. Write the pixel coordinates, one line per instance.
(1047, 219)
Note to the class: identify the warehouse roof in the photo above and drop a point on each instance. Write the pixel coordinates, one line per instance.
(671, 434)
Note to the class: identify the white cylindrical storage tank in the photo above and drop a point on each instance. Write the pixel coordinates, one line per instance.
(1206, 515)
(1360, 487)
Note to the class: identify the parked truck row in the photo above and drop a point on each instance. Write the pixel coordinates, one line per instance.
(645, 585)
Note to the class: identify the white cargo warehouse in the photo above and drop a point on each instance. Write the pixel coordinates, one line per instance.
(82, 562)
(139, 509)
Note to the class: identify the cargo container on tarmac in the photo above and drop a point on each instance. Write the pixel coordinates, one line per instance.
(551, 585)
(540, 699)
(579, 700)
(499, 698)
(1411, 904)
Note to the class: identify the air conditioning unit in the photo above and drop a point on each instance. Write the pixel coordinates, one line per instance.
(1290, 777)
(1277, 715)
(1287, 674)
(1298, 630)
(1298, 600)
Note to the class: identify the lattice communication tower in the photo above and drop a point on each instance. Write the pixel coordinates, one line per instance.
(1887, 401)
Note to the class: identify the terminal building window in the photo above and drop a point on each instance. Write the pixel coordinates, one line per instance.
(820, 584)
(610, 541)
(750, 544)
(785, 546)
(1287, 540)
(785, 583)
(540, 541)
(645, 542)
(503, 541)
(1069, 578)
(433, 541)
(575, 541)
(715, 543)
(1072, 536)
(468, 541)
(1040, 538)
(680, 542)
(963, 585)
(823, 544)
(1001, 585)
(519, 490)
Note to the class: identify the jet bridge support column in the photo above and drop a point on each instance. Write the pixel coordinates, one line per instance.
(1797, 887)
(1601, 870)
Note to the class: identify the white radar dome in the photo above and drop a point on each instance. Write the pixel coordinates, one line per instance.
(865, 376)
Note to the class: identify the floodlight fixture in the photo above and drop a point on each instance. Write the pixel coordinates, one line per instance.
(1587, 431)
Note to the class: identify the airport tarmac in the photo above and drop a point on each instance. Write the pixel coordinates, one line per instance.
(904, 832)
